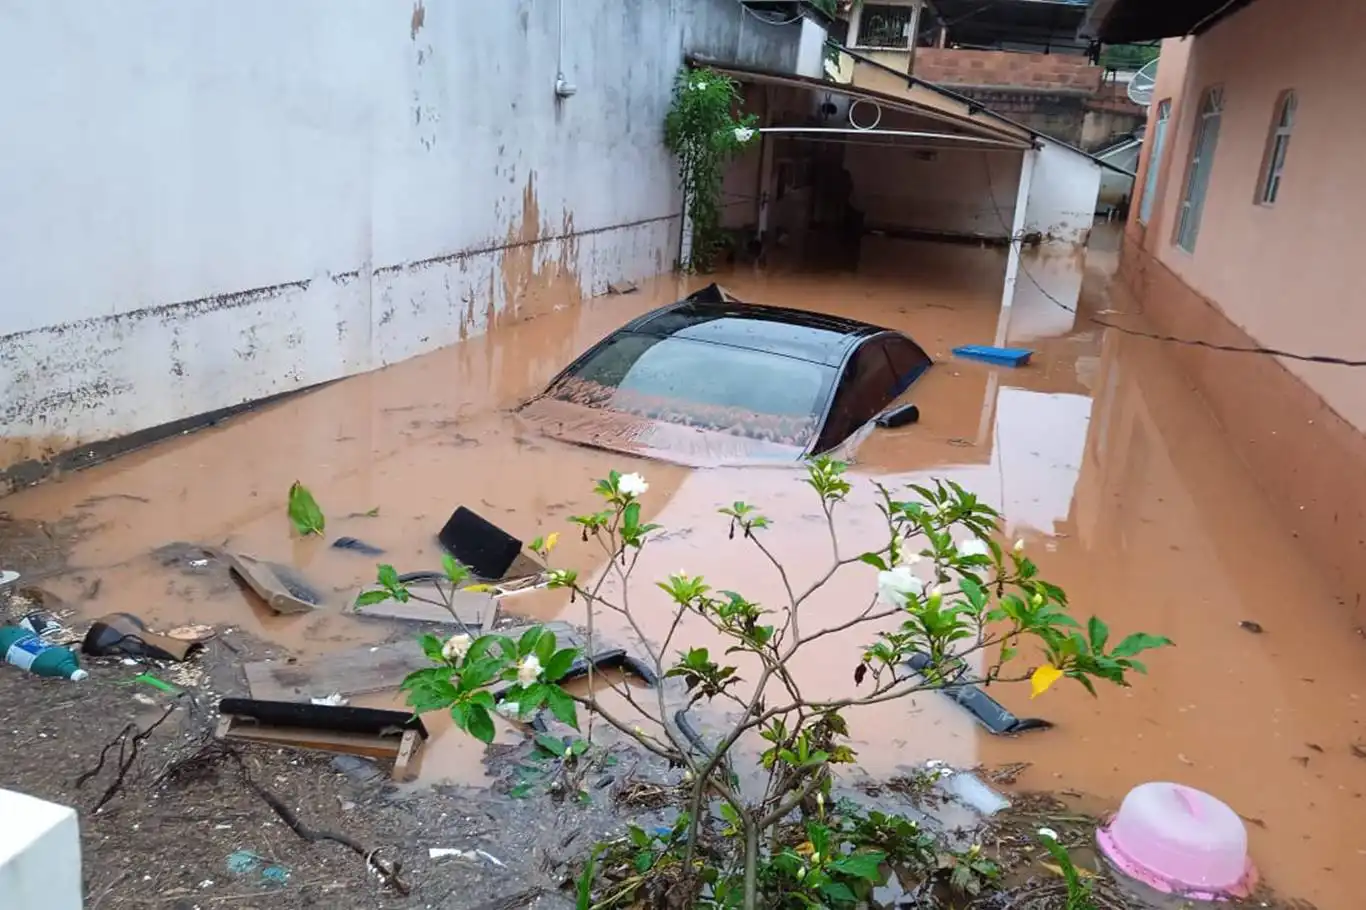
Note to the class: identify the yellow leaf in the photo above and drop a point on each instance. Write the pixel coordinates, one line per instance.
(1043, 677)
(477, 589)
(552, 539)
(806, 848)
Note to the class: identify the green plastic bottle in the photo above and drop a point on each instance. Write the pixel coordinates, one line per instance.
(28, 652)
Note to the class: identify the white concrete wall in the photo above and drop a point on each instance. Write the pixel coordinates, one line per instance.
(208, 203)
(1062, 194)
(954, 190)
(40, 854)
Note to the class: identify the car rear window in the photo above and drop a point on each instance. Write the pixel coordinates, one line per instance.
(709, 386)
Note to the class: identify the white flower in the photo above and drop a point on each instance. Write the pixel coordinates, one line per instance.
(509, 709)
(897, 585)
(973, 547)
(1049, 833)
(529, 670)
(632, 485)
(456, 647)
(1019, 545)
(743, 134)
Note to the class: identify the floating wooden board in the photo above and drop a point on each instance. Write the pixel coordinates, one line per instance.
(270, 583)
(475, 609)
(358, 671)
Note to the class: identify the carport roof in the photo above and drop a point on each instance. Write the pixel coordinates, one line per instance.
(1007, 133)
(970, 106)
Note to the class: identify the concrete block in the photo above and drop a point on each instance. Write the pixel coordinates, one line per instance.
(40, 854)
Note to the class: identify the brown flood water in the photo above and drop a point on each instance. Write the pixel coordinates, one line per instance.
(1103, 460)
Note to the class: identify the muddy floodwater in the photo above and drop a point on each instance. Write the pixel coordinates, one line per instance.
(1102, 458)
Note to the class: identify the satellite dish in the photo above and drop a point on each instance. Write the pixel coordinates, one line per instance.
(1141, 85)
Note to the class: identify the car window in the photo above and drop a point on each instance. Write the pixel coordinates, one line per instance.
(866, 386)
(710, 386)
(908, 360)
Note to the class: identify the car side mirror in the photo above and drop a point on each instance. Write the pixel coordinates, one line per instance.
(899, 416)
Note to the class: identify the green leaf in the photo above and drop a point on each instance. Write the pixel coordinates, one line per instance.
(562, 707)
(545, 647)
(552, 744)
(583, 890)
(455, 571)
(527, 643)
(480, 723)
(1100, 634)
(370, 598)
(431, 646)
(860, 865)
(388, 576)
(482, 697)
(303, 511)
(874, 560)
(630, 517)
(559, 664)
(839, 891)
(1138, 643)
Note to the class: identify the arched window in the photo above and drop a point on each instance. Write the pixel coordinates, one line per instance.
(1201, 163)
(1277, 144)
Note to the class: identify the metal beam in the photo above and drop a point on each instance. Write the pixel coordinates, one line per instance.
(907, 134)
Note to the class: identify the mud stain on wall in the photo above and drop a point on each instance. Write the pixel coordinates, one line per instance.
(418, 20)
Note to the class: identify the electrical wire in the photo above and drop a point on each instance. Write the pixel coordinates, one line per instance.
(1157, 336)
(764, 19)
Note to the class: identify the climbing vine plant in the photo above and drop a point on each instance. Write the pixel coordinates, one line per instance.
(703, 131)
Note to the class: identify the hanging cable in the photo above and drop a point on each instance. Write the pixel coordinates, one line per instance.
(764, 19)
(1156, 336)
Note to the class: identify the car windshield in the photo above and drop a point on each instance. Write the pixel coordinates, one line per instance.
(709, 386)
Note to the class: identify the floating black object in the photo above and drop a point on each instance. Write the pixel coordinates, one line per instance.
(360, 546)
(988, 711)
(478, 543)
(898, 416)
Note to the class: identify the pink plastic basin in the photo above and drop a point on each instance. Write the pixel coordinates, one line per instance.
(1179, 840)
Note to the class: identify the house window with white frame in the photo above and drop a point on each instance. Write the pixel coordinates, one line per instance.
(1145, 205)
(1278, 143)
(1201, 163)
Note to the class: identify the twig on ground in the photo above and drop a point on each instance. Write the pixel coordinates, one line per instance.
(128, 753)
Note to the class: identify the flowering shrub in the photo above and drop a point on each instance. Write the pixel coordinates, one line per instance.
(944, 591)
(701, 130)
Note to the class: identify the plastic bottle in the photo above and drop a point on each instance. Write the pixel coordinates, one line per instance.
(28, 652)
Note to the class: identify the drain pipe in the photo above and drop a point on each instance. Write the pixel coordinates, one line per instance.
(563, 87)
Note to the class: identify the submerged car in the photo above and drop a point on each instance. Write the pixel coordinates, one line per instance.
(711, 379)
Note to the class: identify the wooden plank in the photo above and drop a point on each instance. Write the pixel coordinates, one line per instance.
(316, 740)
(358, 671)
(403, 770)
(475, 609)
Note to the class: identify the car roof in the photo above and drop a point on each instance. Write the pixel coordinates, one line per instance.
(713, 316)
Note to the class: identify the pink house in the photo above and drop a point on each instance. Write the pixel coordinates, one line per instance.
(1241, 234)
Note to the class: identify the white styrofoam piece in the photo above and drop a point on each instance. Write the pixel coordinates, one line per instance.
(40, 854)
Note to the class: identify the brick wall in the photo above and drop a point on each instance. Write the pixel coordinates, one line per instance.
(1040, 72)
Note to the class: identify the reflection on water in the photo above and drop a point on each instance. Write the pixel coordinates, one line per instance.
(1111, 471)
